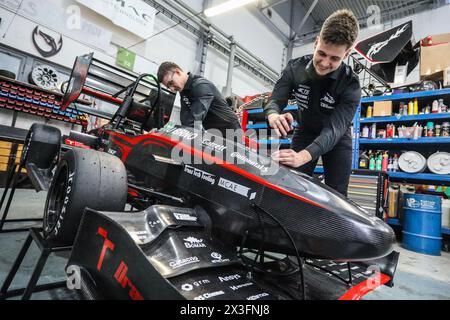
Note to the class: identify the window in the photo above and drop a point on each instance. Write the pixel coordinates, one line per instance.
(10, 63)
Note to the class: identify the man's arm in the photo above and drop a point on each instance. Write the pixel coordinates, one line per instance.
(280, 96)
(281, 92)
(338, 123)
(201, 98)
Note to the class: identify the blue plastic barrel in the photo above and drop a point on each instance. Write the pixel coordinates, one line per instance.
(422, 223)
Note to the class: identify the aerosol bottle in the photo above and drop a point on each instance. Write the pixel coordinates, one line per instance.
(372, 162)
(395, 163)
(385, 162)
(416, 106)
(379, 162)
(390, 165)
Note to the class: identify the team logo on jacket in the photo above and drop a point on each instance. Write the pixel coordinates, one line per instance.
(327, 101)
(302, 94)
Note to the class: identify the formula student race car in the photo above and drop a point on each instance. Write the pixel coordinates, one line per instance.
(209, 218)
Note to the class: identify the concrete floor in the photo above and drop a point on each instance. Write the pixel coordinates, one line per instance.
(418, 276)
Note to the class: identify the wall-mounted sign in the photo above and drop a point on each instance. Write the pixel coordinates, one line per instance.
(46, 44)
(134, 15)
(125, 59)
(55, 15)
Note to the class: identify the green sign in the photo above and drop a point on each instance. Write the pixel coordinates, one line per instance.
(125, 59)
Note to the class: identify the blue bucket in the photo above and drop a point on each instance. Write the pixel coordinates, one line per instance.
(422, 223)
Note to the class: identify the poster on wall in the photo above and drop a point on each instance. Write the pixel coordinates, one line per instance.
(134, 15)
(59, 17)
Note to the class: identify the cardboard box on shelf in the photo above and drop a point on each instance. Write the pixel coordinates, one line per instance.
(435, 59)
(382, 108)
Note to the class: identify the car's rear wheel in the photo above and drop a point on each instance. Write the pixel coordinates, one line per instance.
(83, 178)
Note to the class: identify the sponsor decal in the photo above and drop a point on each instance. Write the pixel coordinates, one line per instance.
(183, 133)
(255, 164)
(236, 188)
(422, 204)
(229, 278)
(112, 151)
(208, 177)
(182, 262)
(65, 203)
(192, 242)
(213, 145)
(153, 224)
(187, 287)
(234, 288)
(209, 295)
(258, 296)
(218, 258)
(195, 284)
(184, 217)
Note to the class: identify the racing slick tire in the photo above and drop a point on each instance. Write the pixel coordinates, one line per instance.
(83, 178)
(42, 146)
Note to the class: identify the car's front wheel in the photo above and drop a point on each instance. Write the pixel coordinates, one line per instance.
(83, 178)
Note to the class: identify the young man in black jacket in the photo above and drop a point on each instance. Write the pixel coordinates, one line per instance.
(327, 93)
(201, 102)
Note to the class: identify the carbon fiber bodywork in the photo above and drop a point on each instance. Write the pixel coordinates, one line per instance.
(166, 252)
(230, 181)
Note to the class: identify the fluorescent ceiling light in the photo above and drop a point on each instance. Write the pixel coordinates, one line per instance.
(226, 6)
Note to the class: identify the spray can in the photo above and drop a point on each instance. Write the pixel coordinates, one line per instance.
(372, 162)
(390, 165)
(369, 112)
(385, 162)
(379, 162)
(416, 106)
(410, 108)
(395, 163)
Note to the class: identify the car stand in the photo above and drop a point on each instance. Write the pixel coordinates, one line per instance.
(46, 249)
(11, 183)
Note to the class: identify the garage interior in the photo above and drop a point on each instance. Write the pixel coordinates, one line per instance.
(71, 66)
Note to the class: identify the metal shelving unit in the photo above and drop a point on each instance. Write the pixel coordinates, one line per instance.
(419, 117)
(404, 96)
(423, 140)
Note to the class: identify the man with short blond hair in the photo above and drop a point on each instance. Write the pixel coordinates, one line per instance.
(327, 93)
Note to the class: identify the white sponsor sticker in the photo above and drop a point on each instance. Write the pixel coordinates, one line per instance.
(192, 242)
(209, 295)
(206, 176)
(179, 263)
(235, 187)
(184, 217)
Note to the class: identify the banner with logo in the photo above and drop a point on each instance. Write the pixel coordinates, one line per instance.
(62, 16)
(134, 15)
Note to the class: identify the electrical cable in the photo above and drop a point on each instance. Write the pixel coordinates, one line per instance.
(299, 260)
(12, 20)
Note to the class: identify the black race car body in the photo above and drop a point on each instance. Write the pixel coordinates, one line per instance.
(242, 190)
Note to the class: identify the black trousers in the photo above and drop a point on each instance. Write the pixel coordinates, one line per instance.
(337, 163)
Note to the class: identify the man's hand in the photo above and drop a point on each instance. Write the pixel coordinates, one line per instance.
(291, 158)
(282, 123)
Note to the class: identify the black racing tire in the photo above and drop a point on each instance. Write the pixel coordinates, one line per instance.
(8, 74)
(83, 178)
(42, 146)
